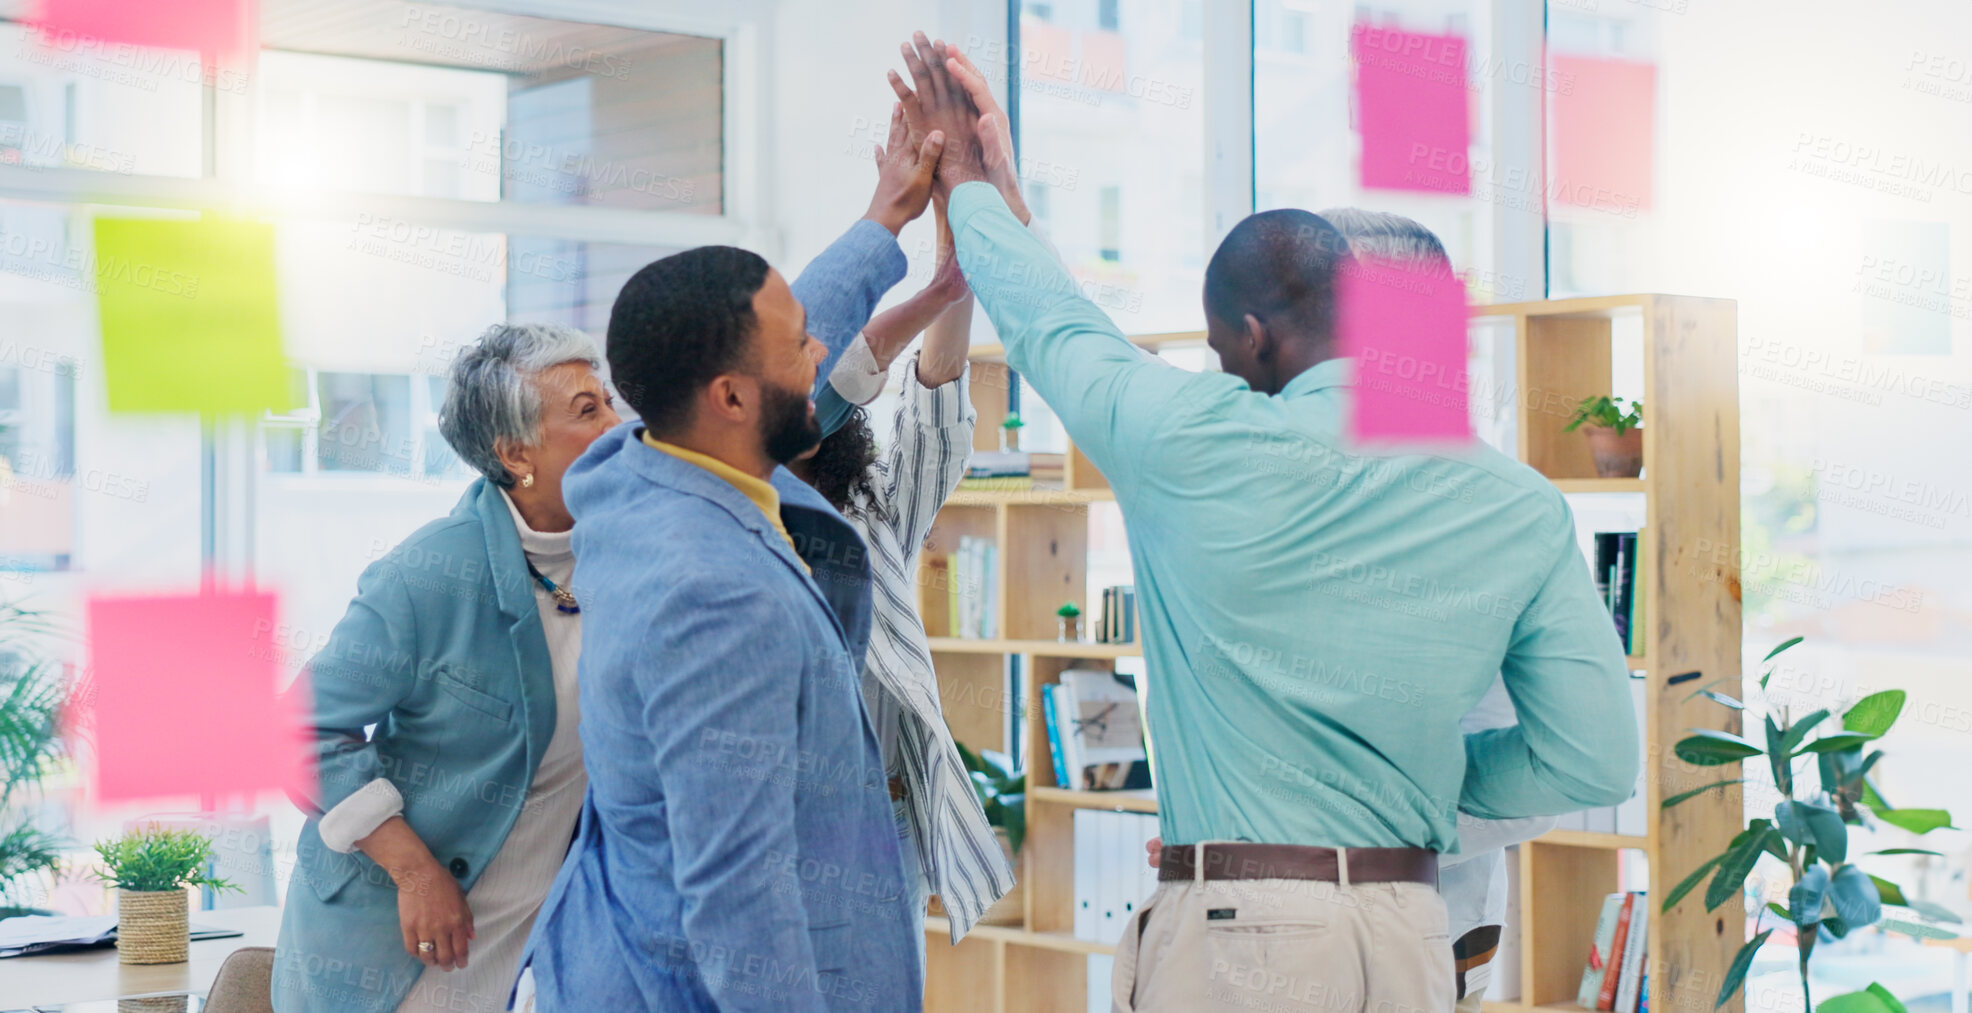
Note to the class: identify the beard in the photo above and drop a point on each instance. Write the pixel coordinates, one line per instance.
(788, 428)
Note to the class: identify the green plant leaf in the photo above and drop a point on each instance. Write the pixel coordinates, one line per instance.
(1917, 821)
(1736, 974)
(1708, 747)
(1933, 911)
(1686, 796)
(1833, 925)
(1813, 823)
(1806, 896)
(1780, 909)
(1730, 879)
(1917, 929)
(1874, 999)
(1779, 759)
(1015, 821)
(1874, 714)
(1834, 743)
(1799, 730)
(1908, 851)
(1784, 645)
(1722, 698)
(1855, 898)
(1685, 886)
(1890, 892)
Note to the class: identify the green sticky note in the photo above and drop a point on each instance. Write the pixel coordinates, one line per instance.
(189, 316)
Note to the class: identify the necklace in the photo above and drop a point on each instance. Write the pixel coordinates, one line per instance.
(564, 598)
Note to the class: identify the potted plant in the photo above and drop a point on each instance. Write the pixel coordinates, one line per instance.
(1010, 432)
(1615, 435)
(1831, 895)
(1068, 622)
(152, 866)
(30, 740)
(1003, 794)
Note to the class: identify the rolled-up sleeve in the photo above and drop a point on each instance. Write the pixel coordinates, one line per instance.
(368, 667)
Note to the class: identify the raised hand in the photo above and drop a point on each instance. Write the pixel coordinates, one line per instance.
(939, 104)
(995, 134)
(903, 174)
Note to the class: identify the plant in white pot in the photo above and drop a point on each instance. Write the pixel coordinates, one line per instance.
(1614, 433)
(152, 866)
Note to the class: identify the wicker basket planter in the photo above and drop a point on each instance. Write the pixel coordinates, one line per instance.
(151, 926)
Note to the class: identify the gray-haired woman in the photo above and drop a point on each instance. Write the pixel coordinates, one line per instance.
(438, 831)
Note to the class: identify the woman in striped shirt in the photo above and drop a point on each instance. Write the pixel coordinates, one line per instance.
(891, 498)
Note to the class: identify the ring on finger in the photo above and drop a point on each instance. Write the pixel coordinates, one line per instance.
(426, 946)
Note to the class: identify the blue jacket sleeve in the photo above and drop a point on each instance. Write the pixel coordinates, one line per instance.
(840, 289)
(368, 667)
(1114, 398)
(722, 653)
(1575, 746)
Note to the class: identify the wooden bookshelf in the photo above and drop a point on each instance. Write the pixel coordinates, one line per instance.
(1690, 485)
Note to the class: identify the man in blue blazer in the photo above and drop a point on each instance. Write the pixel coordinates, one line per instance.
(737, 849)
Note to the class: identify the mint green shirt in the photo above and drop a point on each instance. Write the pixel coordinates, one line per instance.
(1315, 620)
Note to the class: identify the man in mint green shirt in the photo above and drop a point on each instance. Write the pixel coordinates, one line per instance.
(1316, 619)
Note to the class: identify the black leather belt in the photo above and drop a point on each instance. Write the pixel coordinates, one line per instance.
(1295, 861)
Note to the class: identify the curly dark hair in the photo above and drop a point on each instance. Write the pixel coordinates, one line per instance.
(678, 323)
(841, 470)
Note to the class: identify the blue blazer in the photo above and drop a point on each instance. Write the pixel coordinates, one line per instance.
(737, 849)
(442, 651)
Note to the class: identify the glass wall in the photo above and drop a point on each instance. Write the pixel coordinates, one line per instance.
(1818, 171)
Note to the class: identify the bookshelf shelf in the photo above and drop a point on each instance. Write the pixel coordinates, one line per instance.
(1586, 839)
(1119, 801)
(1039, 648)
(1062, 942)
(1564, 351)
(1593, 485)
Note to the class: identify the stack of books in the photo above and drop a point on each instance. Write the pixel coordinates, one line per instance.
(1616, 581)
(1119, 615)
(1013, 470)
(1095, 731)
(972, 576)
(1614, 978)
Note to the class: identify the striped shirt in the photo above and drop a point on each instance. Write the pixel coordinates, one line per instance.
(921, 466)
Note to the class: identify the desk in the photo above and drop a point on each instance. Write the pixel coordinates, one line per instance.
(1962, 948)
(95, 974)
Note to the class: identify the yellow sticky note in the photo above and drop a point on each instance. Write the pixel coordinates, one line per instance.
(189, 316)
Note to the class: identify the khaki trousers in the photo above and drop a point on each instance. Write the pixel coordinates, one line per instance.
(1286, 946)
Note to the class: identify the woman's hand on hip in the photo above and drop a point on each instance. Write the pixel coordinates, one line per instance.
(431, 909)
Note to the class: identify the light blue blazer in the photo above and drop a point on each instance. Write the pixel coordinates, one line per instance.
(737, 848)
(442, 651)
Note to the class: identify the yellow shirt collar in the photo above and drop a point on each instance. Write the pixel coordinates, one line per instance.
(763, 494)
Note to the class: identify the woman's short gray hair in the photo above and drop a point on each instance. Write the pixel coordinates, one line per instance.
(1388, 237)
(490, 396)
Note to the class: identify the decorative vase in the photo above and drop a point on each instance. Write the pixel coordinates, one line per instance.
(1616, 455)
(1012, 908)
(151, 926)
(1068, 629)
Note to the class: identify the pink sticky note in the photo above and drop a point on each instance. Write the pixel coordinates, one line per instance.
(1405, 327)
(184, 701)
(1602, 122)
(222, 28)
(1412, 108)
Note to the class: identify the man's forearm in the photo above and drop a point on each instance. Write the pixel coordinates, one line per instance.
(842, 285)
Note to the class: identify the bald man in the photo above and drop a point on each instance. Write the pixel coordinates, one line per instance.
(1316, 620)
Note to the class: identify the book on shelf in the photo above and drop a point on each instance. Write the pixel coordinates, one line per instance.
(1615, 579)
(1051, 718)
(1099, 731)
(998, 483)
(1039, 469)
(1629, 981)
(973, 578)
(1118, 624)
(1612, 962)
(1614, 979)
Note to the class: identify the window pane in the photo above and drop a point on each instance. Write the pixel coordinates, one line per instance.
(1111, 124)
(80, 103)
(1307, 141)
(365, 423)
(448, 102)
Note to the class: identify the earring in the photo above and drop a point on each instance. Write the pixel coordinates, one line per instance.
(527, 481)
